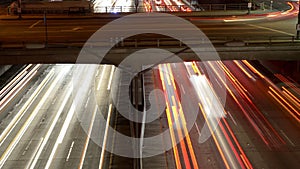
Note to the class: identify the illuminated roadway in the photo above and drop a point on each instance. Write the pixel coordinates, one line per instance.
(54, 123)
(258, 125)
(44, 130)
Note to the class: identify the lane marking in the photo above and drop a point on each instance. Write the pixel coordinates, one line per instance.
(33, 25)
(35, 152)
(182, 89)
(110, 77)
(61, 135)
(105, 136)
(101, 77)
(54, 122)
(270, 29)
(70, 150)
(87, 139)
(287, 138)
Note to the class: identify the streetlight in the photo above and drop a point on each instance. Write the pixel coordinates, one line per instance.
(249, 6)
(271, 5)
(19, 9)
(298, 24)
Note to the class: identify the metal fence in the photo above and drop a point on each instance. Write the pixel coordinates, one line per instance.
(124, 9)
(160, 42)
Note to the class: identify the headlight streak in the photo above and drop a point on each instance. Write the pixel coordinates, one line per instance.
(24, 108)
(21, 132)
(175, 113)
(10, 94)
(262, 127)
(209, 112)
(293, 112)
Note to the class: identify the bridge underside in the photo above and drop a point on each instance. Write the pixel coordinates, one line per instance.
(117, 55)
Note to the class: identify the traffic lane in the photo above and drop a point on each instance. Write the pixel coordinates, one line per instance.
(225, 142)
(247, 137)
(95, 153)
(278, 119)
(256, 148)
(31, 100)
(36, 131)
(82, 29)
(234, 127)
(75, 144)
(183, 153)
(207, 153)
(19, 94)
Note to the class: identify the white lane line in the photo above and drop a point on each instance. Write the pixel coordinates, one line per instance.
(87, 139)
(47, 136)
(87, 102)
(22, 111)
(34, 153)
(21, 132)
(232, 118)
(110, 77)
(287, 138)
(12, 93)
(182, 88)
(61, 135)
(70, 150)
(33, 25)
(105, 136)
(270, 29)
(15, 79)
(101, 77)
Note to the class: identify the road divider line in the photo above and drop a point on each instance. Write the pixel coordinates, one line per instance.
(270, 29)
(87, 138)
(61, 135)
(287, 138)
(18, 87)
(21, 132)
(110, 77)
(101, 77)
(22, 111)
(33, 25)
(70, 150)
(35, 151)
(105, 136)
(47, 136)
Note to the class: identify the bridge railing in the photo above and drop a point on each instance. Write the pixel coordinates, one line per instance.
(156, 42)
(123, 9)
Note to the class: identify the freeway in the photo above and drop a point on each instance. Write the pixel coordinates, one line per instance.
(45, 130)
(257, 125)
(226, 114)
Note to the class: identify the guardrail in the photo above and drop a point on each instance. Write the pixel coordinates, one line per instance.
(63, 10)
(156, 42)
(124, 9)
(211, 7)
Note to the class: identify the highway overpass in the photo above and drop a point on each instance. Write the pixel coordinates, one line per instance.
(30, 41)
(19, 54)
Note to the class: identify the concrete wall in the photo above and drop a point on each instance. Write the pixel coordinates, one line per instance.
(4, 68)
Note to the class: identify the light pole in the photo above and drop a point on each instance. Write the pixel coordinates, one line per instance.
(298, 24)
(19, 9)
(271, 5)
(249, 6)
(46, 29)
